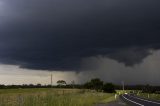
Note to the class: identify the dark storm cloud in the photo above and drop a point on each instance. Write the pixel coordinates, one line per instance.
(58, 34)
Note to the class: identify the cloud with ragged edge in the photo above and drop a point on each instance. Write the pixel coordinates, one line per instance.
(59, 34)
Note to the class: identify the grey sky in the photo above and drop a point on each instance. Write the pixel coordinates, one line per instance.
(61, 35)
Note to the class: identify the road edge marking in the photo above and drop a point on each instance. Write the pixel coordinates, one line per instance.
(132, 101)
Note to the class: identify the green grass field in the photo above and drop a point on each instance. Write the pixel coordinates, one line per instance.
(52, 97)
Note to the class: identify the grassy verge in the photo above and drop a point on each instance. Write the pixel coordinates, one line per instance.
(108, 98)
(52, 97)
(150, 96)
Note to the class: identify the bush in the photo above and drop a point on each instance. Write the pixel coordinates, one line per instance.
(109, 88)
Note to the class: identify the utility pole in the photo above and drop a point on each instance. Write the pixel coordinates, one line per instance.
(73, 83)
(123, 85)
(51, 79)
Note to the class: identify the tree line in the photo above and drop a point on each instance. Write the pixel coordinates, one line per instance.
(94, 84)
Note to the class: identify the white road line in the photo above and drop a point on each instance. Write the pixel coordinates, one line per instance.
(132, 101)
(145, 100)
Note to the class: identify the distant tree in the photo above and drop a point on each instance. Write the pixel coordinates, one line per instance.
(88, 85)
(109, 88)
(31, 85)
(61, 82)
(149, 89)
(2, 86)
(95, 84)
(39, 85)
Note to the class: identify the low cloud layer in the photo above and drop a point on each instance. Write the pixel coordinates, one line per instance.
(102, 67)
(111, 71)
(60, 34)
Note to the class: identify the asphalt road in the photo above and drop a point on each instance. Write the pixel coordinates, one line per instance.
(132, 100)
(117, 102)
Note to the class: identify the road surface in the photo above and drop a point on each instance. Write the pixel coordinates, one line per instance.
(132, 100)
